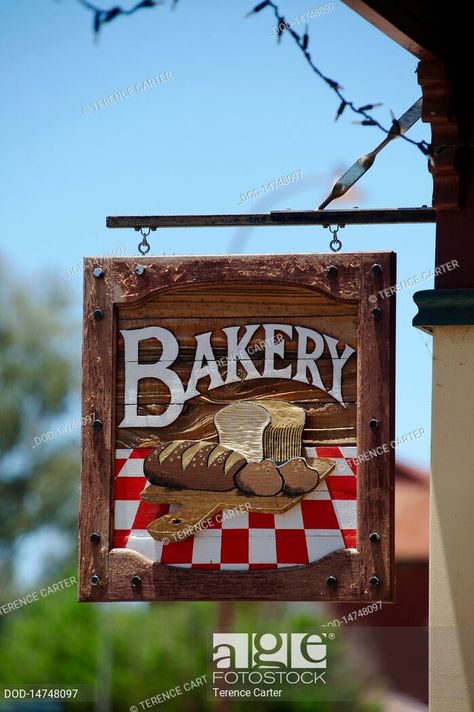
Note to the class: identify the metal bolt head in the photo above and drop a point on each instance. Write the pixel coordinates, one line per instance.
(373, 424)
(376, 311)
(139, 270)
(136, 581)
(97, 425)
(98, 314)
(95, 538)
(374, 537)
(331, 581)
(374, 581)
(376, 269)
(94, 580)
(98, 272)
(332, 270)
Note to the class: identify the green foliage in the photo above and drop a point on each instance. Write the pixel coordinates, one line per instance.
(38, 485)
(150, 648)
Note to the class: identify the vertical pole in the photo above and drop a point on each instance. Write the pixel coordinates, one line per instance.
(452, 522)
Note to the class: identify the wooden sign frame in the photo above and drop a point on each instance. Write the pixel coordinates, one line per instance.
(362, 574)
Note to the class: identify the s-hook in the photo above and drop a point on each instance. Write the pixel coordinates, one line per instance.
(335, 244)
(144, 245)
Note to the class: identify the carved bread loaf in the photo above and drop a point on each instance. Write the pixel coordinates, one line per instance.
(193, 465)
(270, 429)
(241, 427)
(283, 439)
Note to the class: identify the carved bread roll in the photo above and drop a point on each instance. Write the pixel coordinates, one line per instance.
(193, 465)
(262, 429)
(298, 476)
(259, 478)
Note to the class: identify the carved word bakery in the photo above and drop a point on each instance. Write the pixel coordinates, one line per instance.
(310, 347)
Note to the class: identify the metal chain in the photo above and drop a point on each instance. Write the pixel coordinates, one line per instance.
(335, 244)
(144, 245)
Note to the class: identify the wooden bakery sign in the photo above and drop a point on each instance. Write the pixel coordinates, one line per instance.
(234, 400)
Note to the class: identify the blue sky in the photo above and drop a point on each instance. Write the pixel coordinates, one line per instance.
(239, 111)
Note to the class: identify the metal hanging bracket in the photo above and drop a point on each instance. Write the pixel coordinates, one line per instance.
(335, 244)
(144, 245)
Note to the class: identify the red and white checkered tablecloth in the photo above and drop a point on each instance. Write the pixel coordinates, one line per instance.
(322, 522)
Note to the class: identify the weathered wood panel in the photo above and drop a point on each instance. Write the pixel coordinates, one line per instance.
(98, 445)
(343, 327)
(307, 270)
(153, 390)
(326, 423)
(376, 384)
(302, 583)
(245, 299)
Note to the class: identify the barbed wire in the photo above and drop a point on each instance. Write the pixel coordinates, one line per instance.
(101, 17)
(302, 43)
